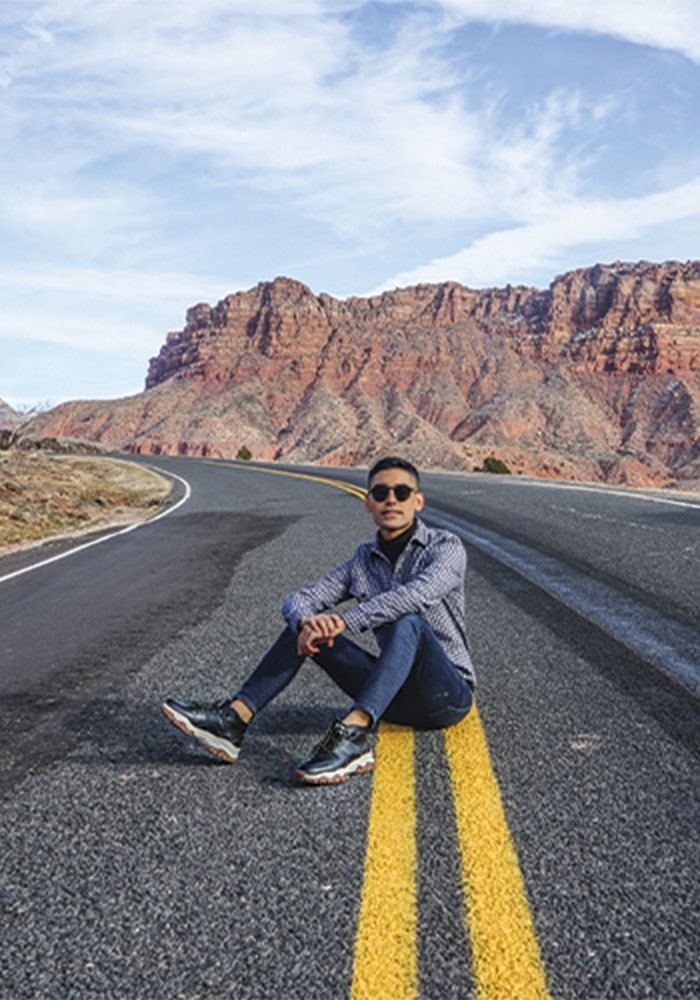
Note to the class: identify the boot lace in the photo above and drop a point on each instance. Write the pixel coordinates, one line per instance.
(328, 742)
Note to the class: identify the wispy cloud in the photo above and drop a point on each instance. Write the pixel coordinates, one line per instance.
(76, 307)
(91, 333)
(134, 287)
(154, 149)
(674, 24)
(355, 136)
(511, 255)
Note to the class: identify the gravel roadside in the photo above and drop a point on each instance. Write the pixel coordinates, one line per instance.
(44, 496)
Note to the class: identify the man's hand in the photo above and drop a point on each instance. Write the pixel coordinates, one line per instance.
(318, 630)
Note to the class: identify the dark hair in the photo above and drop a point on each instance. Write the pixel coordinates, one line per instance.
(392, 462)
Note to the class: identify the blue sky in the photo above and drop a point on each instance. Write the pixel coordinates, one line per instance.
(158, 153)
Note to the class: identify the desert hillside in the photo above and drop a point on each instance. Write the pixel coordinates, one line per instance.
(42, 496)
(596, 377)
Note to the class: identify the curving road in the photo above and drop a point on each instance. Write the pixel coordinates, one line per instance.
(134, 866)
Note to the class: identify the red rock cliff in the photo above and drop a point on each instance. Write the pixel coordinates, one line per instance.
(597, 377)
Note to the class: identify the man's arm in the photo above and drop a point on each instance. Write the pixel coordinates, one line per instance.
(443, 570)
(317, 597)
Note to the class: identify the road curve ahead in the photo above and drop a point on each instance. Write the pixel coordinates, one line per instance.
(547, 846)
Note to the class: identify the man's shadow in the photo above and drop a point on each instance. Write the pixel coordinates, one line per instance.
(111, 731)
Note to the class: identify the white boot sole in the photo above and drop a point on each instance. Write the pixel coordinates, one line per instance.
(221, 748)
(357, 766)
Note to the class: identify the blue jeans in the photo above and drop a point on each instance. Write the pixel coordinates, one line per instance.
(411, 682)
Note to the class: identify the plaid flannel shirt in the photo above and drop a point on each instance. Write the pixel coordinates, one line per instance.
(427, 580)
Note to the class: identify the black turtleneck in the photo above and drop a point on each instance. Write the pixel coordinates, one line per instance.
(393, 547)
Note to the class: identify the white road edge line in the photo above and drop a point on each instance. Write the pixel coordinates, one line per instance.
(670, 645)
(606, 491)
(114, 534)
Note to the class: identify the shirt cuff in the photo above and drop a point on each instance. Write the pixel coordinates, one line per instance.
(356, 620)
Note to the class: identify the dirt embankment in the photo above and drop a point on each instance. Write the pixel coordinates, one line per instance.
(42, 496)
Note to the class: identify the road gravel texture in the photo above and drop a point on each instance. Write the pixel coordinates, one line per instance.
(137, 866)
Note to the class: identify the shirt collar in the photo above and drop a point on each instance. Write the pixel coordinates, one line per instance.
(420, 535)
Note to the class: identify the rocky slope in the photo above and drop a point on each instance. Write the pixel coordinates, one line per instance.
(597, 377)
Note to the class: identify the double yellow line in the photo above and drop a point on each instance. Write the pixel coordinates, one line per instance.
(340, 484)
(505, 956)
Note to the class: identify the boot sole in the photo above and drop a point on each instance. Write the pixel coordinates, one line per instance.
(221, 748)
(358, 766)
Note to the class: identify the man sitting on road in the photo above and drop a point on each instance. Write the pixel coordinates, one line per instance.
(409, 587)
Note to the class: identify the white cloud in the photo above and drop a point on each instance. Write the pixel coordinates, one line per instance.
(280, 98)
(673, 24)
(137, 287)
(509, 255)
(76, 307)
(80, 225)
(93, 333)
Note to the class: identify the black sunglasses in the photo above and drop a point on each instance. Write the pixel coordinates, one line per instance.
(402, 492)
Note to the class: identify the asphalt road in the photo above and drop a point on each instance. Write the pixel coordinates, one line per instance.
(136, 866)
(643, 542)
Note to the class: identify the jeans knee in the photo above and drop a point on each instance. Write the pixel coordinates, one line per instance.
(415, 622)
(406, 624)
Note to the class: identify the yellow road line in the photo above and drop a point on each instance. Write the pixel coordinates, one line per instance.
(357, 491)
(386, 959)
(506, 960)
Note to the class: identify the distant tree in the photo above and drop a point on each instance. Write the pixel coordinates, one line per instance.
(493, 465)
(20, 423)
(244, 454)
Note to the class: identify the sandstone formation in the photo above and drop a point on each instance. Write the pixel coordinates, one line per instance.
(597, 377)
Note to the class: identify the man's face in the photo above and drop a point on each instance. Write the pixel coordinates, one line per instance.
(392, 516)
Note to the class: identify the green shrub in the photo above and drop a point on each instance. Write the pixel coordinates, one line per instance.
(494, 465)
(244, 454)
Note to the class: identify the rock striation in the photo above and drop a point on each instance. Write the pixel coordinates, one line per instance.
(596, 377)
